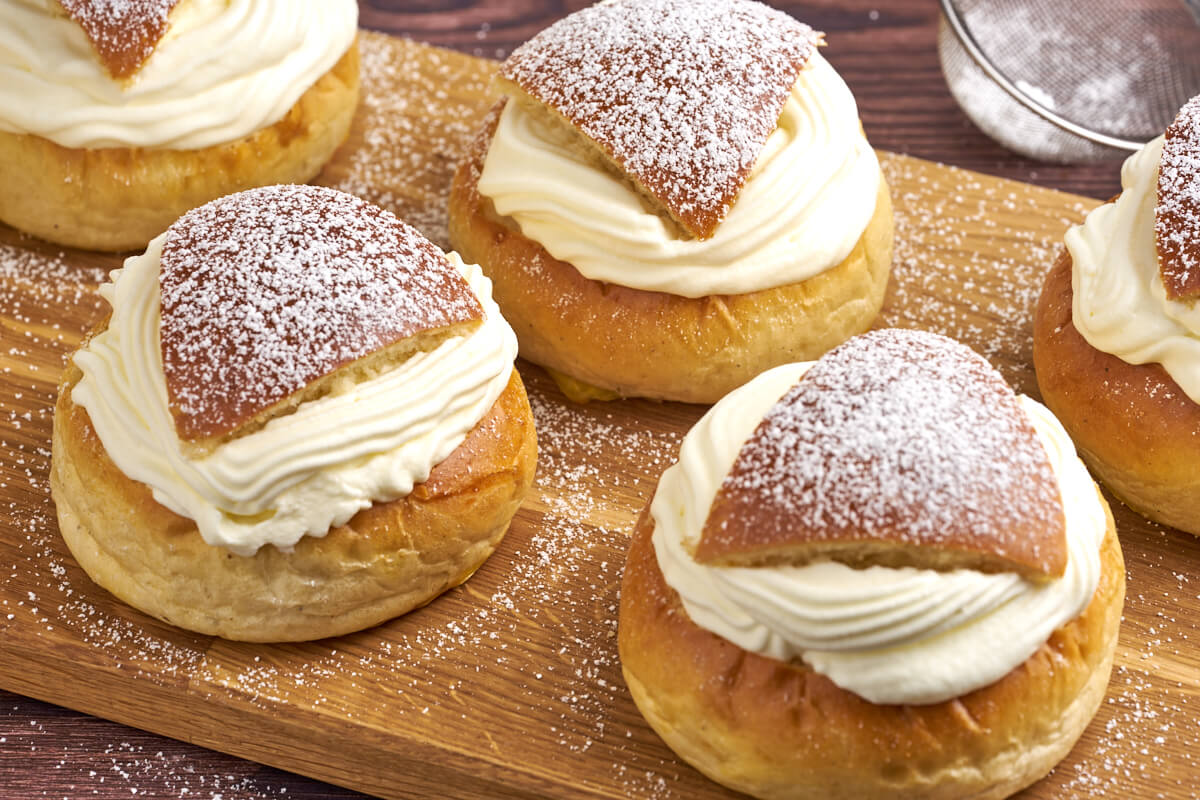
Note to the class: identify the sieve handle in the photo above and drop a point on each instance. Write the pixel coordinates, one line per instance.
(952, 18)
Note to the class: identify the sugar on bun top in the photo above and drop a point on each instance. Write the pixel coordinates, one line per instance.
(680, 95)
(1116, 333)
(932, 681)
(898, 448)
(283, 358)
(125, 33)
(300, 419)
(268, 296)
(1177, 215)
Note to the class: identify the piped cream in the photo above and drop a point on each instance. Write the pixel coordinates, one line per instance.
(302, 473)
(889, 635)
(1120, 305)
(807, 201)
(224, 69)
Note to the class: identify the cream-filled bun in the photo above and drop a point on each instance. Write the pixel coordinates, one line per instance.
(116, 118)
(674, 196)
(301, 419)
(1116, 340)
(877, 575)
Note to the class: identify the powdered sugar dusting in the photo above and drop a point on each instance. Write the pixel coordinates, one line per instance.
(266, 290)
(528, 643)
(682, 94)
(1177, 217)
(418, 110)
(124, 32)
(901, 436)
(971, 255)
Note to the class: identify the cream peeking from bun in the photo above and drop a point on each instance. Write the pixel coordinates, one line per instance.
(115, 118)
(301, 419)
(673, 197)
(1117, 331)
(964, 657)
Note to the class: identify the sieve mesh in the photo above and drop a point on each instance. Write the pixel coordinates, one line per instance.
(1115, 68)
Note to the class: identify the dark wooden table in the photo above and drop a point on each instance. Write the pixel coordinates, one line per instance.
(887, 53)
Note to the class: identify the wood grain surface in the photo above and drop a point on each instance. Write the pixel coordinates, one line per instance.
(508, 686)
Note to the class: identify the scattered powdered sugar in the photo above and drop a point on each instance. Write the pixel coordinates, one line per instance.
(73, 761)
(903, 436)
(971, 255)
(537, 621)
(533, 632)
(266, 290)
(418, 109)
(1177, 216)
(682, 94)
(124, 32)
(1146, 738)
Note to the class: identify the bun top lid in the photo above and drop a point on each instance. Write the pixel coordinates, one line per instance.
(680, 95)
(1177, 216)
(899, 448)
(124, 33)
(265, 291)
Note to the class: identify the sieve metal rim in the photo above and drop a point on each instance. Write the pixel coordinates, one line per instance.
(954, 20)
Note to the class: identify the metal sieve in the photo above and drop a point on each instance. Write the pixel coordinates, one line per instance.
(1075, 81)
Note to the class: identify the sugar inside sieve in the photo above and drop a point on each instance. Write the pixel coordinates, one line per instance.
(1070, 82)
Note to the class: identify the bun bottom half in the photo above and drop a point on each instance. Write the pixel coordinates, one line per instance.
(633, 343)
(116, 199)
(1134, 427)
(779, 730)
(387, 560)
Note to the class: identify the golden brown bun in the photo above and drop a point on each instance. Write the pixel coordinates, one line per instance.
(121, 198)
(779, 730)
(1134, 427)
(387, 560)
(651, 344)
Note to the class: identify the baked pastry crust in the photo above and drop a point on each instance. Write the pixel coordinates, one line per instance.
(1177, 213)
(652, 344)
(354, 304)
(123, 35)
(120, 198)
(387, 560)
(1134, 427)
(779, 730)
(878, 419)
(654, 52)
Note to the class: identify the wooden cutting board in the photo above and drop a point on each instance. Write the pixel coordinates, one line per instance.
(510, 685)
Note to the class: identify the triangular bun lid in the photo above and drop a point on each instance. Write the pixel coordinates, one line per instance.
(1177, 216)
(680, 95)
(124, 33)
(899, 448)
(266, 291)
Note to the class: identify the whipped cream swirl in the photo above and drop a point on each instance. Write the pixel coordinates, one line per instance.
(805, 204)
(890, 635)
(224, 69)
(1120, 305)
(302, 473)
